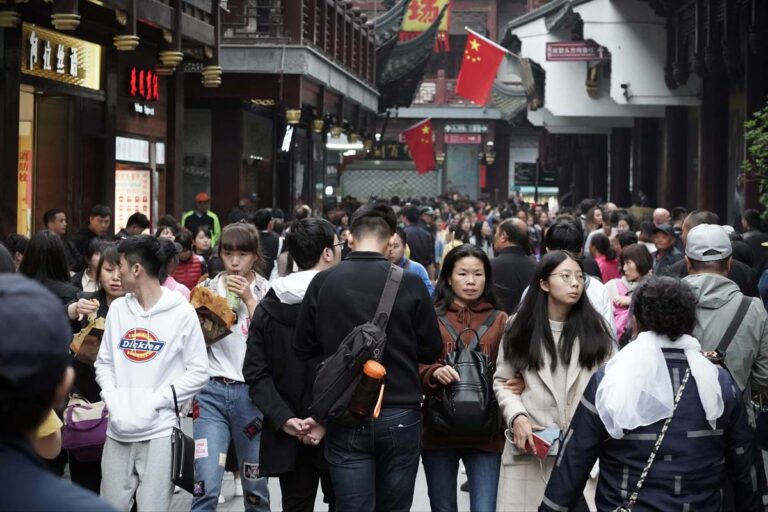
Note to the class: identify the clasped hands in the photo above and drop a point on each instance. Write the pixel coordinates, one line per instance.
(308, 431)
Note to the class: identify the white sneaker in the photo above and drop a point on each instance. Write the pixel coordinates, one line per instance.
(221, 499)
(238, 487)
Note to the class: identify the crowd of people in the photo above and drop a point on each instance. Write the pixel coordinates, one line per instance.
(584, 358)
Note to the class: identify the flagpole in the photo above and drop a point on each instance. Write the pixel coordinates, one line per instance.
(492, 43)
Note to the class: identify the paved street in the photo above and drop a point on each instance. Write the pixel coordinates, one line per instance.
(182, 500)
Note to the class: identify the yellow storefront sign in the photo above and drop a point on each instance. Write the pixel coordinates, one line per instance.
(422, 13)
(53, 56)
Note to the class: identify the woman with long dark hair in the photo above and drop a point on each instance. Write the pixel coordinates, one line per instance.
(45, 261)
(555, 342)
(482, 236)
(464, 300)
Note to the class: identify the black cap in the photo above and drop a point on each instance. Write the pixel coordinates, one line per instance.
(35, 336)
(664, 228)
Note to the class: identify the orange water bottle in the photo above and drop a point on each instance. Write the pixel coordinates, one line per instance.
(368, 390)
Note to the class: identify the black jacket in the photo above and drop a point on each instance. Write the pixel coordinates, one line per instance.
(591, 267)
(422, 244)
(690, 466)
(280, 383)
(512, 273)
(755, 240)
(741, 274)
(345, 296)
(270, 244)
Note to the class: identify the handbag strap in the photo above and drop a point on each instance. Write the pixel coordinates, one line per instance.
(176, 406)
(387, 300)
(633, 498)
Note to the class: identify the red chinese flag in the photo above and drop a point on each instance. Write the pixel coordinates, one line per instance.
(482, 58)
(419, 140)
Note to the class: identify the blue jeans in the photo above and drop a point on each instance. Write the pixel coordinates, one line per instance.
(225, 411)
(441, 467)
(373, 465)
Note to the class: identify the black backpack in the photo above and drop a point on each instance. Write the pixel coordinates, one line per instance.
(467, 407)
(338, 376)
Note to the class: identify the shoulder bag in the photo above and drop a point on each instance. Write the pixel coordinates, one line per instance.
(183, 454)
(627, 505)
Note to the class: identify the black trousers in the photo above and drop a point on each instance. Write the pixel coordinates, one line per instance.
(299, 487)
(86, 474)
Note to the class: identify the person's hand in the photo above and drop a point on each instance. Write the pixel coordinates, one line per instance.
(240, 286)
(445, 375)
(83, 307)
(315, 434)
(295, 427)
(622, 301)
(516, 384)
(523, 431)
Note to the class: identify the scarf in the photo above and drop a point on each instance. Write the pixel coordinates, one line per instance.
(636, 390)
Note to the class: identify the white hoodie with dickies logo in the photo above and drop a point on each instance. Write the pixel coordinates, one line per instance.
(142, 354)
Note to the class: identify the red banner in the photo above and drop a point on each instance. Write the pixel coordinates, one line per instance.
(421, 145)
(482, 58)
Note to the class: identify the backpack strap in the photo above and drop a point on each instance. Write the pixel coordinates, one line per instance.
(387, 300)
(488, 323)
(727, 338)
(448, 327)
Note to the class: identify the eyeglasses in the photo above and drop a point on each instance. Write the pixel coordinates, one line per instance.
(340, 244)
(567, 276)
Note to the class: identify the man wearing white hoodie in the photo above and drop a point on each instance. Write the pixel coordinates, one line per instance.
(281, 384)
(152, 345)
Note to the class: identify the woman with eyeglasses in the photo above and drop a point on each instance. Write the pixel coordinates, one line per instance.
(555, 343)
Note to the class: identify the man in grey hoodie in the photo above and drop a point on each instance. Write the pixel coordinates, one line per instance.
(281, 384)
(708, 258)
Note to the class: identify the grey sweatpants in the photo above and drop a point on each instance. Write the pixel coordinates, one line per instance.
(143, 468)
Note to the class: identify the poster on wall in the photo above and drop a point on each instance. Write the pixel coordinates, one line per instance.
(133, 193)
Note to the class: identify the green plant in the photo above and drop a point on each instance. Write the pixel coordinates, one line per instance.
(756, 164)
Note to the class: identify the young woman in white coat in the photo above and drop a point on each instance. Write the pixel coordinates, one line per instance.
(555, 342)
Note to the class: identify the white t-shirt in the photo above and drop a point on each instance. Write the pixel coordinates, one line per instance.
(225, 357)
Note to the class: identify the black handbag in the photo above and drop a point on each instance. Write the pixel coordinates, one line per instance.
(183, 454)
(467, 407)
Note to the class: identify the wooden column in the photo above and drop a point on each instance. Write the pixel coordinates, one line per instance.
(620, 153)
(712, 182)
(174, 150)
(673, 171)
(10, 55)
(226, 155)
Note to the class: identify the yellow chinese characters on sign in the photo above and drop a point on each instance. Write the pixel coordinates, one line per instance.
(422, 13)
(54, 56)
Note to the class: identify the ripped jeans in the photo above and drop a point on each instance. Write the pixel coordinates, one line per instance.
(222, 411)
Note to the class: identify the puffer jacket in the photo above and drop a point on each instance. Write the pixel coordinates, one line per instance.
(747, 355)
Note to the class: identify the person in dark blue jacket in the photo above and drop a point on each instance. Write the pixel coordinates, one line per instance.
(708, 443)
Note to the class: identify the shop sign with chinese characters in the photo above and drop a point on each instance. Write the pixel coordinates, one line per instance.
(133, 193)
(143, 86)
(53, 56)
(577, 51)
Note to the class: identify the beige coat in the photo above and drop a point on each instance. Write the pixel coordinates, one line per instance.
(523, 479)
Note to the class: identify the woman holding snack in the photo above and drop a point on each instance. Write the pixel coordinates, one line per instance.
(92, 307)
(555, 342)
(223, 409)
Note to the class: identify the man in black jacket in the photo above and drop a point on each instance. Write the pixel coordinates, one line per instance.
(512, 267)
(373, 464)
(98, 227)
(281, 384)
(270, 242)
(741, 274)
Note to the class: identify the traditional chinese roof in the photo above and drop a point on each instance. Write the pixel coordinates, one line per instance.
(510, 101)
(387, 26)
(400, 71)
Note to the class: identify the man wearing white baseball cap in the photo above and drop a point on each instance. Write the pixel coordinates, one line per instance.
(727, 321)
